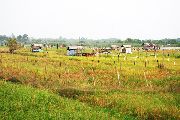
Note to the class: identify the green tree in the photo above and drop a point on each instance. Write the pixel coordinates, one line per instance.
(12, 44)
(128, 40)
(19, 38)
(25, 38)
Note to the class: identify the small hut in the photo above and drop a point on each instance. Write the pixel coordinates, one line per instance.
(126, 49)
(114, 47)
(105, 50)
(74, 50)
(150, 46)
(37, 47)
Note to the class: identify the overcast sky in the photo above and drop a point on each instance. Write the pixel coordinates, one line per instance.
(144, 19)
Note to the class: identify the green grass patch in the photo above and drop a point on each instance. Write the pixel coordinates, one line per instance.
(20, 102)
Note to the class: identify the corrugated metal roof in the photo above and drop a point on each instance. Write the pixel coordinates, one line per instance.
(114, 46)
(126, 46)
(75, 47)
(37, 45)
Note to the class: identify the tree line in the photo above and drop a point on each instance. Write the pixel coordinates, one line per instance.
(20, 38)
(24, 39)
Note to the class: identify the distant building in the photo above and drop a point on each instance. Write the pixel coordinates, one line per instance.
(150, 46)
(105, 50)
(74, 50)
(170, 48)
(126, 49)
(37, 47)
(114, 47)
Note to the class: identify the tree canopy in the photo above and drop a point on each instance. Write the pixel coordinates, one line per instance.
(12, 44)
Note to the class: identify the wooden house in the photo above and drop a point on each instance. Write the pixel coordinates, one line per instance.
(150, 46)
(37, 47)
(74, 50)
(106, 50)
(126, 49)
(114, 47)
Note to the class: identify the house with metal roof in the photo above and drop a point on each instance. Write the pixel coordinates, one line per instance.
(74, 50)
(126, 49)
(37, 47)
(150, 46)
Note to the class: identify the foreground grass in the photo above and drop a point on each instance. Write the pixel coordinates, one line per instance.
(23, 102)
(20, 102)
(142, 105)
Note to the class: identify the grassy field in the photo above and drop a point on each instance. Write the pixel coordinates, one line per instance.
(134, 86)
(19, 102)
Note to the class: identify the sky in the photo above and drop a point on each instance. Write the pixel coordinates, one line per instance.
(95, 19)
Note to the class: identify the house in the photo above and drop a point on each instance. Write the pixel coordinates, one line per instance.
(105, 50)
(150, 46)
(126, 49)
(37, 47)
(114, 47)
(74, 50)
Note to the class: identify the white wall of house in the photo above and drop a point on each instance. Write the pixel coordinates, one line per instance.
(128, 50)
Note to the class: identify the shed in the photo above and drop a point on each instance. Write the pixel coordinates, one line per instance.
(150, 46)
(105, 50)
(114, 47)
(74, 50)
(126, 49)
(37, 47)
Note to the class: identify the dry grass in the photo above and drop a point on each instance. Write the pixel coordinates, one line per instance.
(153, 92)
